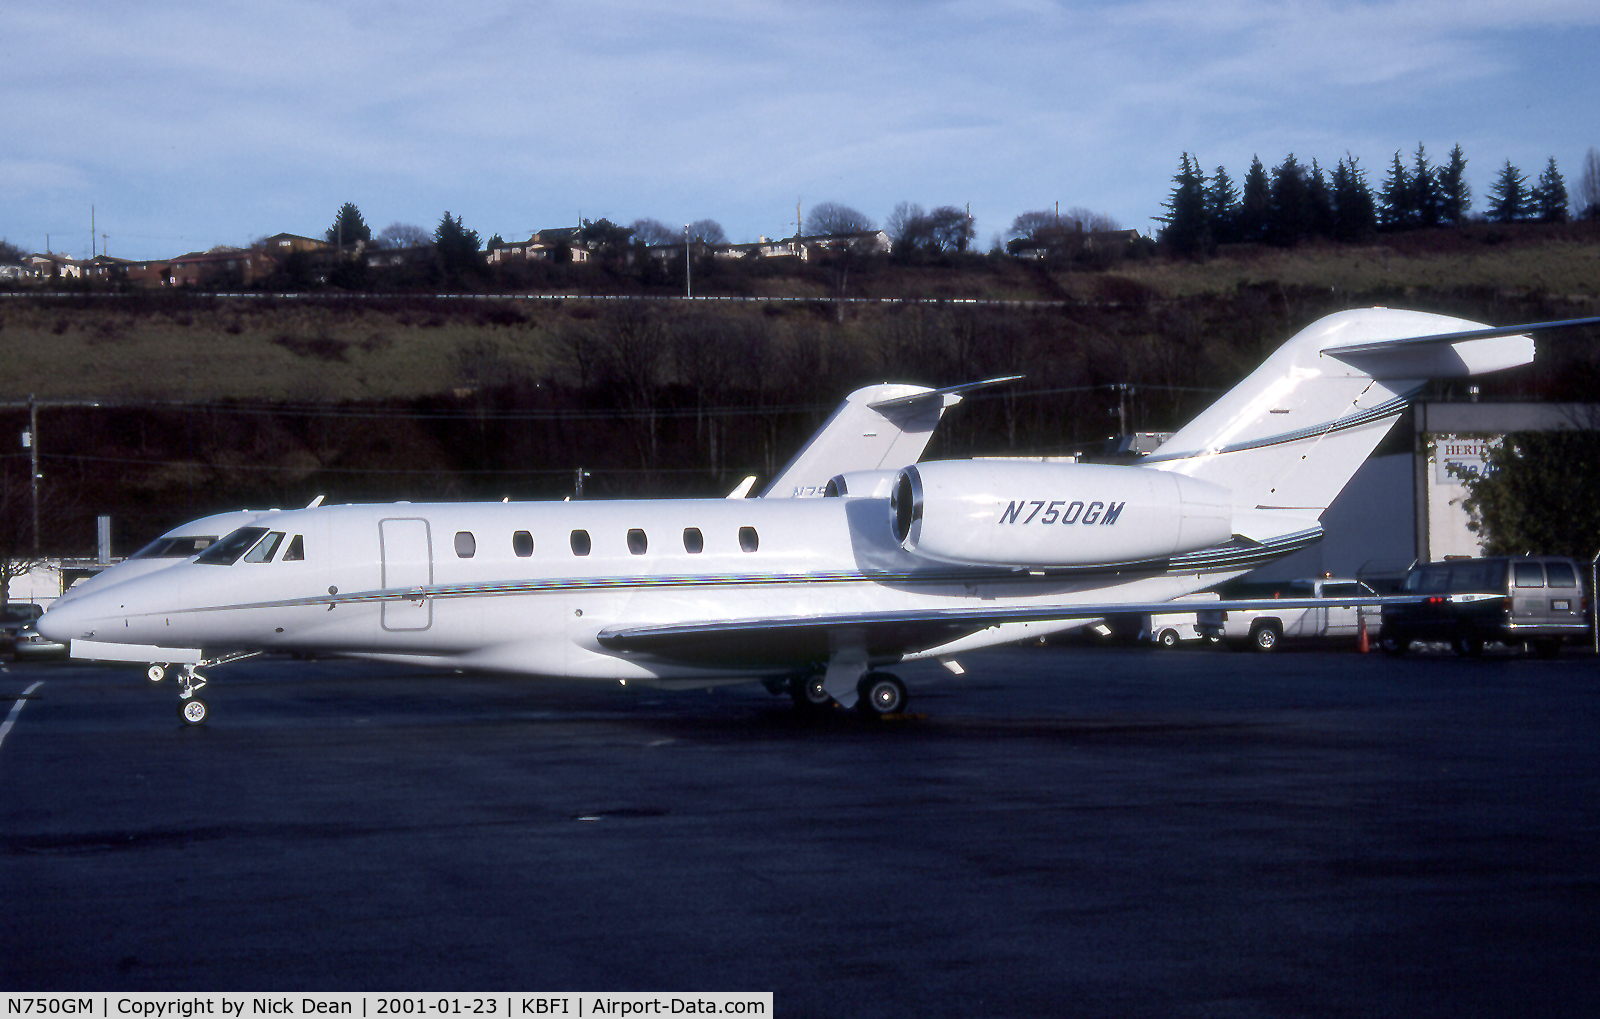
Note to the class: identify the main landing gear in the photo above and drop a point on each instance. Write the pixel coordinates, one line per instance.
(879, 694)
(191, 709)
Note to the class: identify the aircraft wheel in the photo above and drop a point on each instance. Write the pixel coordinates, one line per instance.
(1264, 637)
(156, 673)
(808, 693)
(882, 693)
(1168, 638)
(193, 711)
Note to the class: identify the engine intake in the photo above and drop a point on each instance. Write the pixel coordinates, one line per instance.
(978, 512)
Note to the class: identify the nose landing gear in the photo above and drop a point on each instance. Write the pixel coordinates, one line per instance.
(191, 709)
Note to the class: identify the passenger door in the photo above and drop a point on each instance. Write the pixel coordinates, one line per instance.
(407, 553)
(1528, 602)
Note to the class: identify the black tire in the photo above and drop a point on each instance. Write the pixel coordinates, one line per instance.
(1394, 644)
(193, 711)
(1265, 637)
(1167, 638)
(1468, 646)
(808, 695)
(1546, 647)
(881, 694)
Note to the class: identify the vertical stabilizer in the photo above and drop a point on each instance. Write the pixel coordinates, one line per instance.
(1289, 437)
(878, 428)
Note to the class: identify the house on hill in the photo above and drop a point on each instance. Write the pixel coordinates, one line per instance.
(49, 264)
(542, 246)
(283, 244)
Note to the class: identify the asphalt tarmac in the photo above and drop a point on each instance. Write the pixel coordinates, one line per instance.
(1062, 831)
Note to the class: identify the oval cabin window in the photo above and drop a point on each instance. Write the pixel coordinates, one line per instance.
(580, 542)
(466, 544)
(638, 544)
(693, 541)
(748, 539)
(522, 544)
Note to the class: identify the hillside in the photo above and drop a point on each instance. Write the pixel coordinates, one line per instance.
(213, 402)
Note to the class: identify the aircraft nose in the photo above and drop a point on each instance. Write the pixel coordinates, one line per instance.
(63, 621)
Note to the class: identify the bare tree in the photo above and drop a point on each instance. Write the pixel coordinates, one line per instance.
(904, 215)
(830, 219)
(653, 233)
(1587, 195)
(707, 231)
(18, 546)
(403, 235)
(1092, 222)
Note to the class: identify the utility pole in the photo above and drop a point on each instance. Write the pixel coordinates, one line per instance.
(688, 265)
(33, 465)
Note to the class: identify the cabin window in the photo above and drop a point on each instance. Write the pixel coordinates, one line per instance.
(693, 541)
(227, 551)
(1561, 575)
(580, 543)
(466, 545)
(638, 543)
(1528, 574)
(296, 551)
(265, 548)
(749, 540)
(522, 544)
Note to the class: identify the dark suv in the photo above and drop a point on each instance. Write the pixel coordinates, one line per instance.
(1470, 602)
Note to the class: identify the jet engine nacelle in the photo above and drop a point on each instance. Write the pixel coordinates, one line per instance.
(981, 512)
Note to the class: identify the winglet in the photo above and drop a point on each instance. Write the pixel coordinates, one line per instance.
(743, 490)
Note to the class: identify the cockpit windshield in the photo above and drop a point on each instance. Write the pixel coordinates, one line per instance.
(227, 551)
(176, 548)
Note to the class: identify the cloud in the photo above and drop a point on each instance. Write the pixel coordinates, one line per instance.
(231, 113)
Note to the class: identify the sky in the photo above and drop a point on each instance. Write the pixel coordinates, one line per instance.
(187, 125)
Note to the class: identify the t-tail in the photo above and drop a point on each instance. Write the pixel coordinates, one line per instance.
(1287, 439)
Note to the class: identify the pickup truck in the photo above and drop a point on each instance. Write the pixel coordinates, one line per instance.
(1262, 629)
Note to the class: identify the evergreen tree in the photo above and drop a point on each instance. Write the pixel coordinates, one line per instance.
(1425, 189)
(1255, 207)
(1455, 194)
(1354, 211)
(1186, 231)
(1222, 207)
(1320, 198)
(348, 226)
(1291, 206)
(1396, 207)
(1509, 196)
(456, 248)
(1548, 202)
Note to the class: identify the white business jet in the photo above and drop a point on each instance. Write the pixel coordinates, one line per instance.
(809, 595)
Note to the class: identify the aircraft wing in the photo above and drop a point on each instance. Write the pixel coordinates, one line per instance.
(761, 641)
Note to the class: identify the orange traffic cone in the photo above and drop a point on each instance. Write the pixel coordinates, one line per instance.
(1361, 635)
